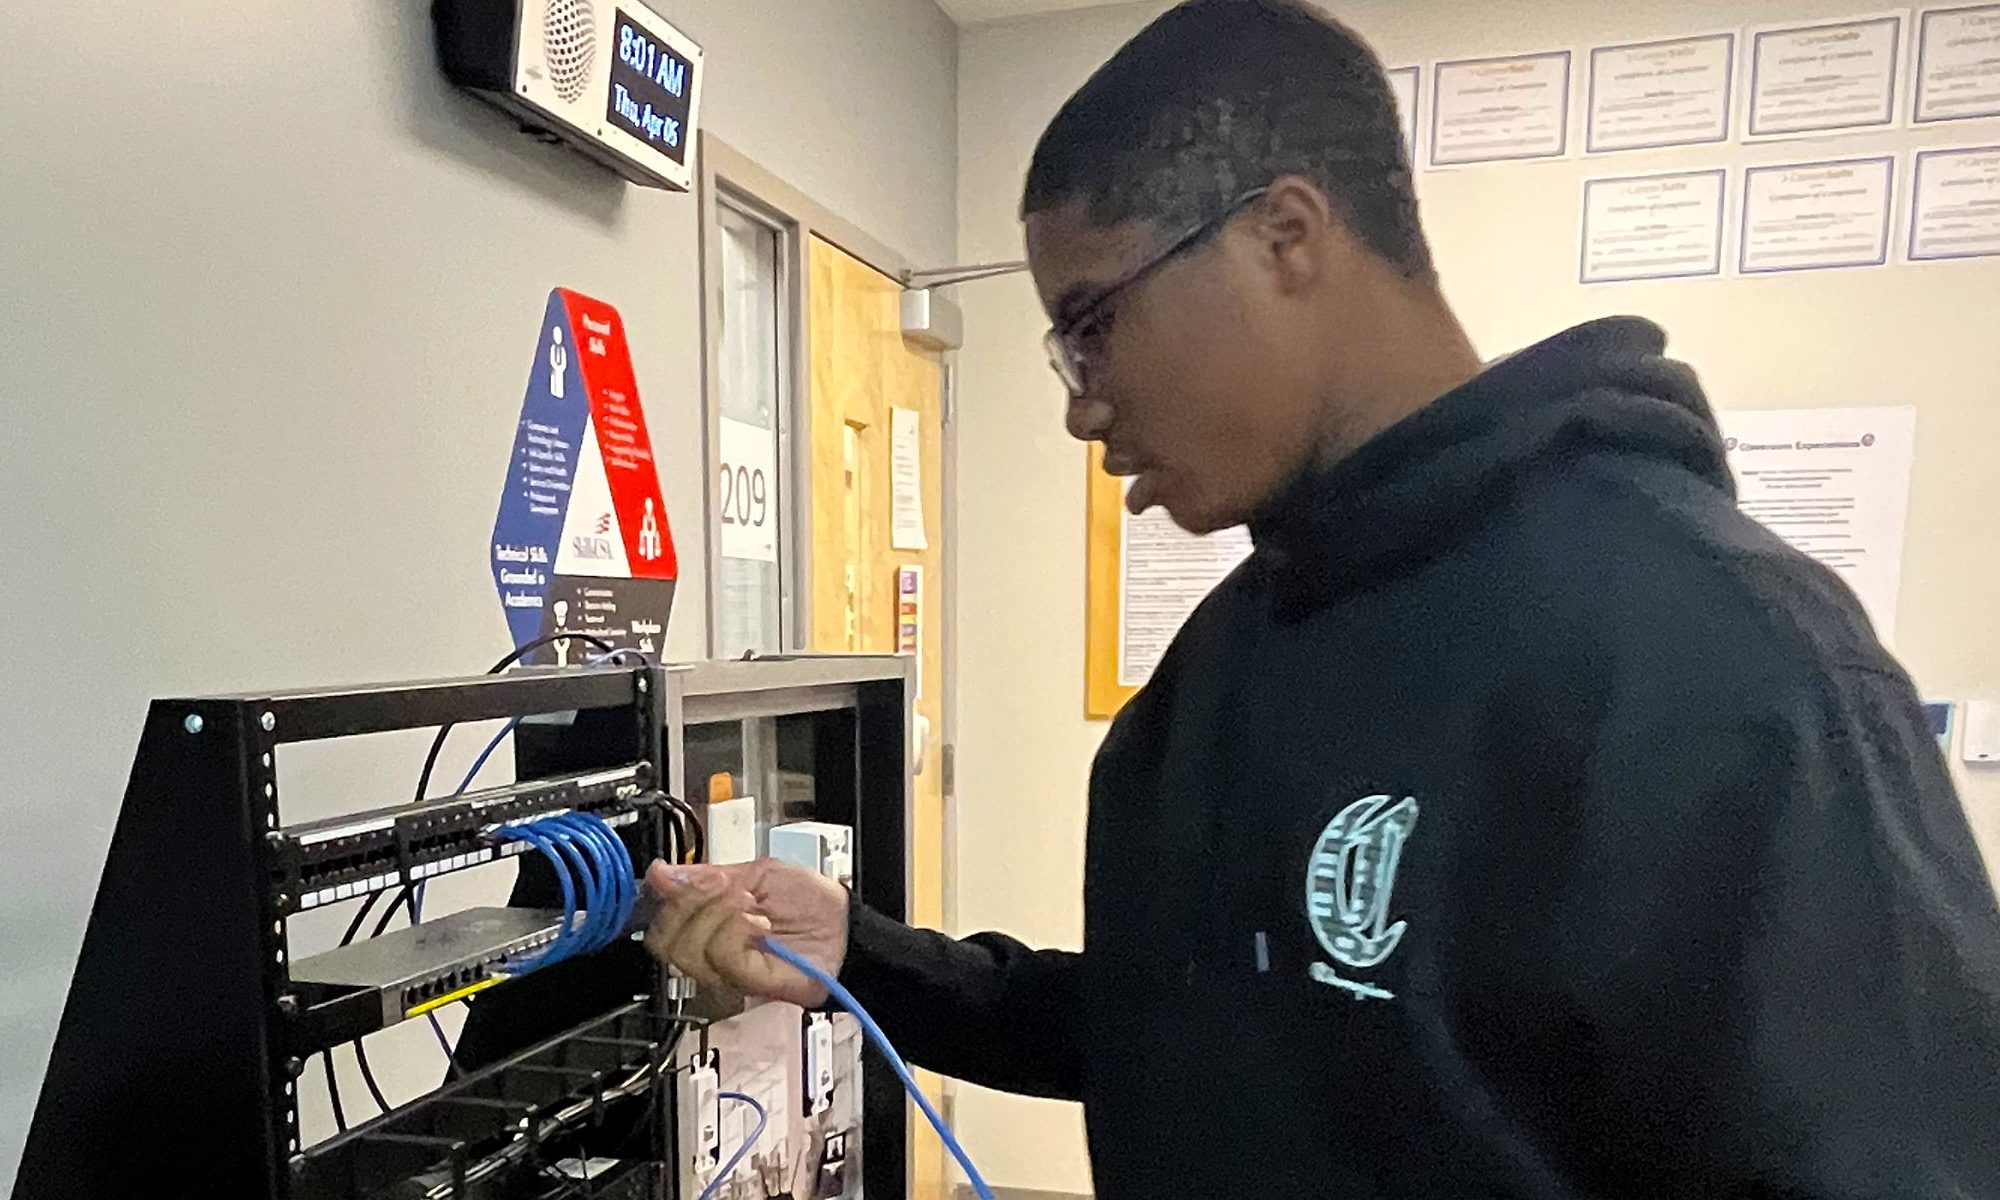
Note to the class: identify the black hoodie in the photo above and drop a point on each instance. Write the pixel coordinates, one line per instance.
(1519, 821)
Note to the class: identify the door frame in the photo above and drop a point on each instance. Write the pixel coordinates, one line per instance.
(725, 172)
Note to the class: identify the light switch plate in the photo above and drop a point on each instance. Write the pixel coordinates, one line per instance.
(1979, 745)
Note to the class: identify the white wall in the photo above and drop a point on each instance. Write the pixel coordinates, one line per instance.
(1898, 335)
(268, 291)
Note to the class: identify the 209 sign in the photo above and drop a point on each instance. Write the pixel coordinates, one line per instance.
(746, 489)
(746, 495)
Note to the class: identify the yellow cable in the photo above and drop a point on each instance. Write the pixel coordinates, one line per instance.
(437, 1002)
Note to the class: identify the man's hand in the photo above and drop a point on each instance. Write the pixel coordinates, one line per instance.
(712, 921)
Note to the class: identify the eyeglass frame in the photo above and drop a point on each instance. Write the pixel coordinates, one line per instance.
(1066, 358)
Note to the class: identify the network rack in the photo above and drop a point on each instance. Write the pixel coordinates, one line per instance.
(190, 1020)
(175, 1069)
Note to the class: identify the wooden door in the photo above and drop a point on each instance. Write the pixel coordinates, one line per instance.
(861, 372)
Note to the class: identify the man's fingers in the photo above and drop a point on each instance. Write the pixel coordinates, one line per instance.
(729, 951)
(681, 930)
(682, 892)
(712, 944)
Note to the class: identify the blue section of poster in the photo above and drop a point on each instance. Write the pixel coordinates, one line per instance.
(540, 473)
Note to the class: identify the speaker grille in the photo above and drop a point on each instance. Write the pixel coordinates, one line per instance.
(569, 40)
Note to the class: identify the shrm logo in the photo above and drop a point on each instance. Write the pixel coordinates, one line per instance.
(596, 544)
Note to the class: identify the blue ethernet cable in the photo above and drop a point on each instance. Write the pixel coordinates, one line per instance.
(729, 1168)
(846, 1000)
(618, 866)
(555, 950)
(478, 765)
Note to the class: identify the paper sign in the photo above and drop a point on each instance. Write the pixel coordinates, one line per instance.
(906, 453)
(1656, 94)
(1810, 216)
(1822, 77)
(1956, 213)
(1653, 227)
(1958, 64)
(1500, 109)
(1835, 483)
(1163, 574)
(746, 491)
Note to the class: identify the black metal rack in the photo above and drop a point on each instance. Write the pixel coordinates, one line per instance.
(175, 1066)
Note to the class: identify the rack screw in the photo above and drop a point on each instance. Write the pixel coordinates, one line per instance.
(288, 1005)
(269, 722)
(296, 1066)
(193, 723)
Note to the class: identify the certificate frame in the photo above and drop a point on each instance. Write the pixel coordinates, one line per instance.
(1729, 94)
(1438, 70)
(1721, 177)
(1891, 103)
(1922, 40)
(1743, 214)
(1917, 161)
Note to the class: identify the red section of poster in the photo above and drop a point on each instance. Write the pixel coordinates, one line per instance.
(620, 424)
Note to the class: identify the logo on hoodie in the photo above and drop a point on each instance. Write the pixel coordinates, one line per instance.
(1349, 879)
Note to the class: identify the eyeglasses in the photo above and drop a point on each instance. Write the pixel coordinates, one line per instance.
(1068, 341)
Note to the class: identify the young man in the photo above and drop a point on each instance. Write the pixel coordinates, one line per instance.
(1520, 820)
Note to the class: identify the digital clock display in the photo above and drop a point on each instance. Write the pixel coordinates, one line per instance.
(651, 89)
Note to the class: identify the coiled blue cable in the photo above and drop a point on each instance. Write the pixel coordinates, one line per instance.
(588, 858)
(846, 1000)
(552, 952)
(620, 887)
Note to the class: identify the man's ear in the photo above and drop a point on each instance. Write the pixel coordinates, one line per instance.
(1299, 233)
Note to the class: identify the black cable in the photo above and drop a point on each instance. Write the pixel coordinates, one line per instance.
(333, 1092)
(402, 900)
(354, 926)
(694, 839)
(403, 897)
(437, 742)
(360, 1051)
(523, 650)
(368, 1077)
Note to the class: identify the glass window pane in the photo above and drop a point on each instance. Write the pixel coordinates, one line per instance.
(752, 396)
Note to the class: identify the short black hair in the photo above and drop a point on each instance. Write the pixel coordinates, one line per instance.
(1218, 97)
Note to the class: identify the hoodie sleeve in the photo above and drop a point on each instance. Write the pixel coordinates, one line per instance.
(1771, 966)
(985, 1009)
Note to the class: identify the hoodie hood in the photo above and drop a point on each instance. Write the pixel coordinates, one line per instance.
(1603, 388)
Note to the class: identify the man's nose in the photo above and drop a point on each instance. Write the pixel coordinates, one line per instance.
(1088, 418)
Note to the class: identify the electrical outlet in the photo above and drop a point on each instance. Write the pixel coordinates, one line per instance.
(701, 1116)
(816, 1081)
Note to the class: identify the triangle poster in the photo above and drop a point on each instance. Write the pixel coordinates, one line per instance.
(581, 543)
